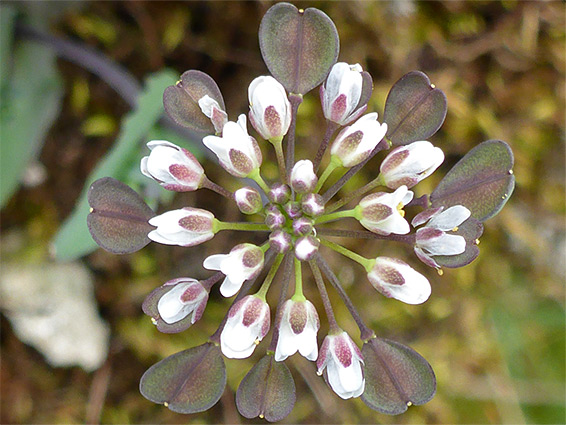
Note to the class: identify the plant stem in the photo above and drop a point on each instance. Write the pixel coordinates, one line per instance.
(365, 332)
(280, 159)
(287, 270)
(255, 176)
(331, 127)
(421, 201)
(335, 216)
(221, 225)
(295, 100)
(332, 165)
(332, 323)
(211, 281)
(269, 278)
(206, 183)
(352, 195)
(363, 261)
(364, 234)
(298, 295)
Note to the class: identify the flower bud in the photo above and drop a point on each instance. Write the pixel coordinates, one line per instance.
(244, 262)
(274, 218)
(355, 143)
(306, 247)
(237, 152)
(280, 241)
(312, 204)
(183, 227)
(293, 210)
(396, 279)
(298, 327)
(341, 93)
(382, 213)
(186, 297)
(172, 167)
(279, 193)
(248, 323)
(214, 111)
(270, 110)
(408, 165)
(343, 360)
(303, 177)
(248, 200)
(302, 226)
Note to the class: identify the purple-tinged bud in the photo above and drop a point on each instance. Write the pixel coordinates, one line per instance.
(396, 279)
(312, 204)
(248, 200)
(274, 218)
(279, 193)
(355, 143)
(343, 361)
(306, 247)
(270, 110)
(298, 327)
(212, 109)
(382, 213)
(172, 167)
(408, 165)
(237, 152)
(293, 210)
(280, 241)
(248, 323)
(186, 297)
(183, 227)
(244, 262)
(302, 226)
(303, 177)
(341, 93)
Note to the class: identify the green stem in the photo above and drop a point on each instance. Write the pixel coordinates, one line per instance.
(280, 158)
(327, 172)
(298, 295)
(352, 195)
(269, 278)
(335, 216)
(255, 176)
(363, 261)
(218, 225)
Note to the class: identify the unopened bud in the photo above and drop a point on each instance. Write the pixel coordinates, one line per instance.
(280, 241)
(248, 200)
(303, 177)
(274, 218)
(306, 247)
(279, 193)
(302, 226)
(293, 210)
(312, 204)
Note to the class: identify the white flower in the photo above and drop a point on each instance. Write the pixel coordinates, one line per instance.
(432, 239)
(172, 167)
(237, 152)
(184, 227)
(408, 165)
(244, 262)
(343, 362)
(355, 143)
(303, 177)
(270, 110)
(382, 213)
(297, 330)
(306, 247)
(341, 93)
(396, 279)
(214, 111)
(247, 324)
(187, 297)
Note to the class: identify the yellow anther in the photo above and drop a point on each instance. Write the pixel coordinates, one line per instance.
(455, 229)
(301, 11)
(261, 416)
(166, 404)
(510, 171)
(400, 209)
(440, 272)
(319, 373)
(256, 342)
(477, 241)
(432, 86)
(91, 210)
(153, 321)
(409, 404)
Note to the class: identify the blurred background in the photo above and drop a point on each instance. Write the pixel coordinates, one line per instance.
(81, 94)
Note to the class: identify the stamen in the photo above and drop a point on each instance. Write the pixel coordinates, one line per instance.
(400, 209)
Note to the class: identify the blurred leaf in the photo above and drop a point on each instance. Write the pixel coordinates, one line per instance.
(98, 125)
(396, 377)
(414, 110)
(267, 391)
(73, 239)
(187, 382)
(118, 220)
(482, 181)
(181, 100)
(7, 21)
(31, 101)
(299, 47)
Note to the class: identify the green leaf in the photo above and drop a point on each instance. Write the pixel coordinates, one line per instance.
(299, 47)
(482, 181)
(30, 102)
(190, 381)
(7, 21)
(267, 391)
(414, 110)
(73, 239)
(396, 377)
(118, 220)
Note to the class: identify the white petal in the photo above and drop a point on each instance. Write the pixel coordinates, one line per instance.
(230, 288)
(445, 245)
(307, 343)
(213, 262)
(452, 217)
(170, 307)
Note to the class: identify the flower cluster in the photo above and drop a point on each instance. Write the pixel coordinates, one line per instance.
(295, 215)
